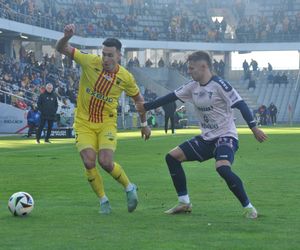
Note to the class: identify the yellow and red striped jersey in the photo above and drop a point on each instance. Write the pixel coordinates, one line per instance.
(99, 91)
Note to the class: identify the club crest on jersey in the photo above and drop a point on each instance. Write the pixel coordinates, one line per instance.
(119, 81)
(210, 94)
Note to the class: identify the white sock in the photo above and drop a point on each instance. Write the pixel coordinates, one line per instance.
(129, 187)
(249, 205)
(184, 199)
(103, 199)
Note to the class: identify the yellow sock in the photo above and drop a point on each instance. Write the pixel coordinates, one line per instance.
(95, 181)
(119, 174)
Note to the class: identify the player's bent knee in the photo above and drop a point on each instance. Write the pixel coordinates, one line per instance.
(168, 157)
(177, 154)
(105, 160)
(223, 163)
(106, 164)
(88, 157)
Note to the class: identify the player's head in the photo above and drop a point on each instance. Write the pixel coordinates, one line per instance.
(49, 87)
(200, 65)
(111, 53)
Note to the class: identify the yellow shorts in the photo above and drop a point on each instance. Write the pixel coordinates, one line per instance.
(95, 135)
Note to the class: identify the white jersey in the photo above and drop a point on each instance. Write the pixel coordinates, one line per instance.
(212, 104)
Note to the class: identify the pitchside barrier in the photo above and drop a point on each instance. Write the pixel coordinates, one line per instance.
(14, 121)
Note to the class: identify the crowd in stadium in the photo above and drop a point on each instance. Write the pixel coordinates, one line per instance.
(262, 29)
(146, 19)
(25, 79)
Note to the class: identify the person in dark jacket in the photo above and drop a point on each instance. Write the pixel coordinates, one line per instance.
(33, 119)
(47, 105)
(273, 113)
(262, 110)
(169, 110)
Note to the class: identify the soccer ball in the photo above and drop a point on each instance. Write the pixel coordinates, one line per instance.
(20, 204)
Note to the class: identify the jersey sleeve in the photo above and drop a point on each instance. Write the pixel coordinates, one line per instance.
(230, 95)
(131, 88)
(82, 58)
(184, 93)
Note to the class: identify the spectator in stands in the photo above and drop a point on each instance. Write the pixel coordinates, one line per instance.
(136, 62)
(21, 104)
(277, 79)
(161, 63)
(181, 118)
(262, 110)
(246, 68)
(270, 78)
(216, 66)
(221, 68)
(273, 113)
(148, 63)
(47, 105)
(60, 91)
(175, 65)
(65, 114)
(169, 110)
(270, 67)
(37, 81)
(284, 79)
(254, 65)
(130, 63)
(33, 120)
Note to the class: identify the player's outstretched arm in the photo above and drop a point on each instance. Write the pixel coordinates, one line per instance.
(145, 130)
(62, 45)
(248, 117)
(142, 107)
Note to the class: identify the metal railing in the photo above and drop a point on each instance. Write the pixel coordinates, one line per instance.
(6, 97)
(34, 95)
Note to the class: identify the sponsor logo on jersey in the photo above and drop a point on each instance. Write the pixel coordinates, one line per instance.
(203, 109)
(209, 126)
(99, 96)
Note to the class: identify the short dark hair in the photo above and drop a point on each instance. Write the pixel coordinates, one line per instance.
(113, 42)
(200, 56)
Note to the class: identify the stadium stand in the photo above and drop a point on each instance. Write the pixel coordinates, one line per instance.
(160, 20)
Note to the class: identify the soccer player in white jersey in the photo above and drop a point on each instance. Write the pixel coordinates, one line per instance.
(213, 99)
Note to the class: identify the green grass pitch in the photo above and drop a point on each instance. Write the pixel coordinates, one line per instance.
(66, 212)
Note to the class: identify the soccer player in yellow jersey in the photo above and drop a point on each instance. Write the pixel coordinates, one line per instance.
(101, 84)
